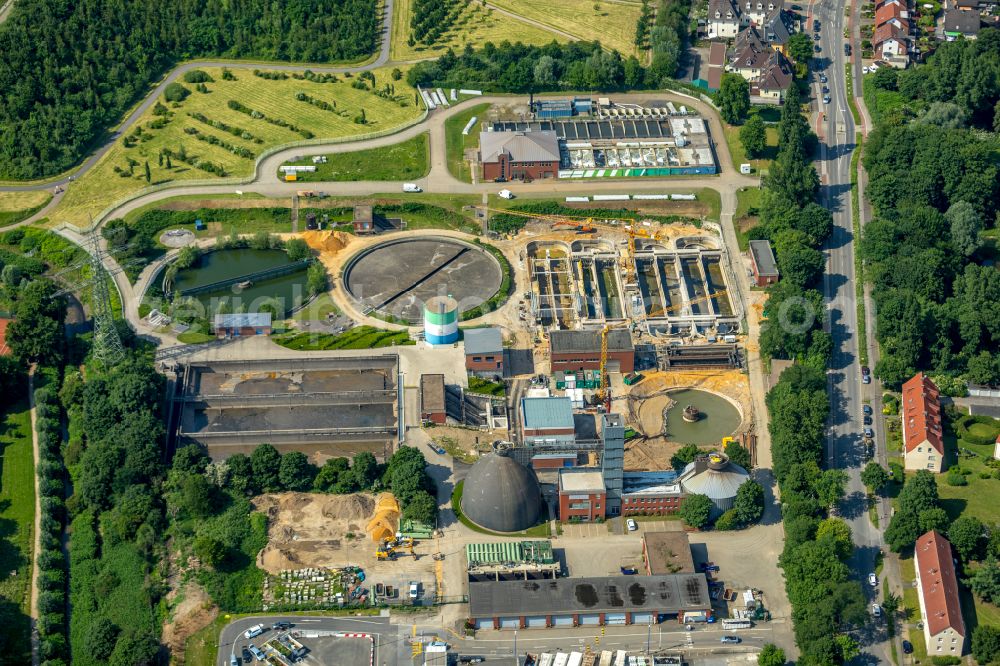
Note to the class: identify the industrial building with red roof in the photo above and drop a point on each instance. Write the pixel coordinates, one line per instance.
(923, 440)
(937, 587)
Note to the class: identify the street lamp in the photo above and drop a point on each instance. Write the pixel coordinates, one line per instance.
(515, 648)
(649, 634)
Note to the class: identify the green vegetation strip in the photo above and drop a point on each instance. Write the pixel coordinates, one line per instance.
(850, 95)
(401, 161)
(457, 143)
(17, 513)
(361, 337)
(859, 268)
(9, 217)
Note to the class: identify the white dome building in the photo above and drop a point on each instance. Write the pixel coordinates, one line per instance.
(716, 477)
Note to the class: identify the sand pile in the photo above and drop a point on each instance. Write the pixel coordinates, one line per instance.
(311, 529)
(326, 241)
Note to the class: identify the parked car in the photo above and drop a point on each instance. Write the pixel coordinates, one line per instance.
(730, 639)
(907, 647)
(873, 579)
(867, 409)
(869, 433)
(826, 99)
(506, 194)
(817, 49)
(631, 525)
(709, 566)
(822, 78)
(414, 589)
(471, 660)
(247, 657)
(254, 631)
(233, 661)
(876, 610)
(411, 187)
(629, 571)
(865, 370)
(866, 379)
(815, 25)
(281, 625)
(258, 653)
(847, 50)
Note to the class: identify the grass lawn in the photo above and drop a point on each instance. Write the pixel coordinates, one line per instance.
(17, 515)
(457, 143)
(475, 25)
(539, 531)
(16, 206)
(745, 219)
(739, 155)
(480, 385)
(453, 449)
(611, 23)
(401, 161)
(275, 99)
(911, 609)
(316, 310)
(194, 337)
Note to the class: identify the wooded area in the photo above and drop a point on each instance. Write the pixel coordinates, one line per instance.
(934, 184)
(70, 70)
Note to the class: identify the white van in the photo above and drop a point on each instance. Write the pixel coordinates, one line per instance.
(411, 187)
(506, 194)
(254, 631)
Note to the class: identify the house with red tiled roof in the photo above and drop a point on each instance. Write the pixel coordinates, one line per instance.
(893, 11)
(890, 42)
(923, 439)
(937, 588)
(4, 347)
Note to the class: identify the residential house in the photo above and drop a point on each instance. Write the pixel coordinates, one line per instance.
(4, 347)
(893, 11)
(891, 44)
(776, 31)
(758, 12)
(769, 72)
(937, 587)
(923, 437)
(723, 19)
(958, 22)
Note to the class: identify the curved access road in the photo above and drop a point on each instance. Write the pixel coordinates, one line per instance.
(150, 99)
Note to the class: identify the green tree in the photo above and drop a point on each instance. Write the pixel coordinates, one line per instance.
(829, 487)
(316, 278)
(968, 535)
(241, 478)
(685, 455)
(196, 496)
(800, 264)
(986, 644)
(848, 647)
(175, 92)
(149, 176)
(749, 503)
(101, 638)
(330, 473)
(696, 510)
(297, 249)
(800, 47)
(984, 368)
(753, 136)
(729, 520)
(733, 98)
(738, 455)
(210, 550)
(265, 461)
(545, 71)
(903, 530)
(421, 506)
(837, 533)
(966, 226)
(396, 74)
(771, 655)
(874, 476)
(296, 472)
(985, 581)
(190, 459)
(135, 648)
(36, 334)
(365, 469)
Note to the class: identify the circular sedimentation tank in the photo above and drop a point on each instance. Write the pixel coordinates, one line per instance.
(700, 417)
(441, 320)
(400, 276)
(715, 477)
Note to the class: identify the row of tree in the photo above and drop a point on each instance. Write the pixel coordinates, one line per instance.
(430, 18)
(668, 40)
(519, 68)
(52, 567)
(796, 225)
(59, 92)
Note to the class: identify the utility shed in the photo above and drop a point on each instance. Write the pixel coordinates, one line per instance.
(762, 263)
(242, 323)
(566, 602)
(363, 220)
(432, 404)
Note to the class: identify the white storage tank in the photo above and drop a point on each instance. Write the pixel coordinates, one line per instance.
(441, 320)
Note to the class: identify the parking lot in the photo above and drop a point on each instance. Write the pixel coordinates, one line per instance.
(336, 650)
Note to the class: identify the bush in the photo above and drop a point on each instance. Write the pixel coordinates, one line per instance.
(956, 478)
(175, 92)
(197, 76)
(727, 521)
(943, 660)
(987, 435)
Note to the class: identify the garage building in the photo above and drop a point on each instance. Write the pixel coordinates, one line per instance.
(572, 602)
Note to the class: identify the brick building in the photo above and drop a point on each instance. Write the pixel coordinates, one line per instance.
(484, 352)
(547, 421)
(573, 351)
(762, 263)
(582, 496)
(519, 155)
(432, 401)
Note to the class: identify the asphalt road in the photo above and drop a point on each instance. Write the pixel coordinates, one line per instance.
(845, 447)
(390, 648)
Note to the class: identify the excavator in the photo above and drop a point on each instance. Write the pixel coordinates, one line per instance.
(390, 549)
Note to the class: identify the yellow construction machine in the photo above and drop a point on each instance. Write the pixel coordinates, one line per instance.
(390, 549)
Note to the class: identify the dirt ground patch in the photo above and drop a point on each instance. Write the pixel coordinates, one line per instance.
(648, 399)
(195, 612)
(314, 530)
(462, 443)
(686, 208)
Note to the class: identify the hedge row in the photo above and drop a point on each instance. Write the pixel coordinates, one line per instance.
(52, 572)
(964, 423)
